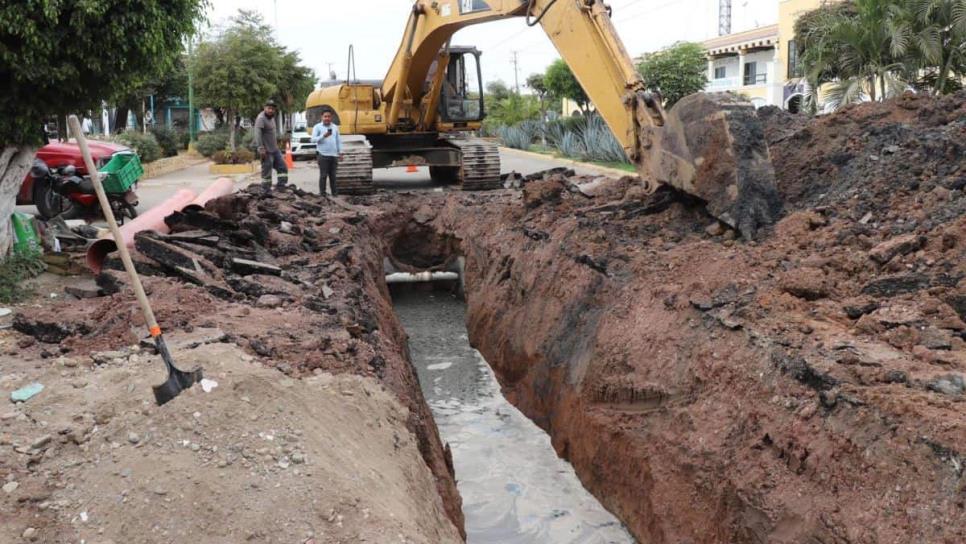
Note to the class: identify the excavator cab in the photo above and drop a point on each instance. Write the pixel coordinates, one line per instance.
(461, 96)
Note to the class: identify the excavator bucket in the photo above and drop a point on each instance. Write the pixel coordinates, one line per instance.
(713, 146)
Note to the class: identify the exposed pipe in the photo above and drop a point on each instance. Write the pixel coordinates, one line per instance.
(219, 188)
(152, 219)
(421, 277)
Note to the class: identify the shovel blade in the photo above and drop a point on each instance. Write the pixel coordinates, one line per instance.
(177, 382)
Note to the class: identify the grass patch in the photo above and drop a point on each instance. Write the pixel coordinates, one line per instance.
(13, 271)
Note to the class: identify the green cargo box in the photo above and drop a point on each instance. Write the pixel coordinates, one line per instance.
(123, 170)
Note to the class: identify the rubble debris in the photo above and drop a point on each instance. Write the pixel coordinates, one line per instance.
(84, 289)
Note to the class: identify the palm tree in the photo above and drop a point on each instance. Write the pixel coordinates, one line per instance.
(931, 34)
(853, 46)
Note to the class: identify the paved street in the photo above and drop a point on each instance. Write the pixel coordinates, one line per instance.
(306, 176)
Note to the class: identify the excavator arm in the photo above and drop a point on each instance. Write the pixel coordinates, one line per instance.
(710, 146)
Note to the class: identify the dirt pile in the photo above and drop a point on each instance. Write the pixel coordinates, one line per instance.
(259, 458)
(294, 279)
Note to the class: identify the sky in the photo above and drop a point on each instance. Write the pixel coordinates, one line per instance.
(322, 30)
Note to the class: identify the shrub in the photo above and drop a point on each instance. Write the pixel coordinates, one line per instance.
(584, 138)
(168, 139)
(246, 140)
(211, 142)
(145, 145)
(240, 156)
(13, 271)
(184, 138)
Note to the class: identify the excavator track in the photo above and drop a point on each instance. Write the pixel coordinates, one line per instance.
(355, 169)
(481, 164)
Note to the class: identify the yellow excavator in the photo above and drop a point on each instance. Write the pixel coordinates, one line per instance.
(425, 111)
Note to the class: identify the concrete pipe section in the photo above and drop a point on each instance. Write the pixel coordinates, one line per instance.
(153, 219)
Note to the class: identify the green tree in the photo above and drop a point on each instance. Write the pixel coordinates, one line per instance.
(930, 35)
(243, 66)
(561, 83)
(539, 87)
(859, 47)
(68, 56)
(676, 72)
(497, 90)
(238, 70)
(295, 84)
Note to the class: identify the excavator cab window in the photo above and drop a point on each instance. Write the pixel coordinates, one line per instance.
(462, 93)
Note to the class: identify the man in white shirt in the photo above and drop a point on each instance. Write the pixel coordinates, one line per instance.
(328, 146)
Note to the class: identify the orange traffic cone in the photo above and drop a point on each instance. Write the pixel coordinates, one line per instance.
(411, 169)
(289, 161)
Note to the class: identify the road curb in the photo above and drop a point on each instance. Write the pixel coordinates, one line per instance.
(603, 170)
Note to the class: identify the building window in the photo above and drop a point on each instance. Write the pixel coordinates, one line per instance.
(752, 77)
(720, 72)
(794, 69)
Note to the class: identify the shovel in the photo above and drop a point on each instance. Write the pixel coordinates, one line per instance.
(178, 380)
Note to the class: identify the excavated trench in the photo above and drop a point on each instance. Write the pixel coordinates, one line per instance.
(514, 487)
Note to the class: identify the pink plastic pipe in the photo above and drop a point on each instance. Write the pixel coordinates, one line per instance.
(219, 188)
(152, 219)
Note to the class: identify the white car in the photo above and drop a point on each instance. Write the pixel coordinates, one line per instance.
(302, 146)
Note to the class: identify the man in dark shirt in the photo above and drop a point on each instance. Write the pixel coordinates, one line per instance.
(266, 142)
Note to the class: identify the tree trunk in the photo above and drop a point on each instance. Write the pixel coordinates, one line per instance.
(14, 164)
(231, 137)
(120, 119)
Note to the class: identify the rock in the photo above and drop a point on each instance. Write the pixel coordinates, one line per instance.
(30, 534)
(896, 315)
(41, 442)
(900, 245)
(896, 285)
(715, 229)
(285, 227)
(247, 267)
(298, 458)
(936, 339)
(327, 291)
(806, 283)
(108, 357)
(857, 310)
(268, 301)
(10, 487)
(958, 303)
(133, 438)
(866, 218)
(84, 289)
(952, 385)
(68, 362)
(547, 191)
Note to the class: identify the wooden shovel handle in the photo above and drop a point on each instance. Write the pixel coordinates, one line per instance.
(78, 134)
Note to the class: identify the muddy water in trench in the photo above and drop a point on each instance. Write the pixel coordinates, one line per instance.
(515, 489)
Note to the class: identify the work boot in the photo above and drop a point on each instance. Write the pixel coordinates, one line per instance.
(267, 187)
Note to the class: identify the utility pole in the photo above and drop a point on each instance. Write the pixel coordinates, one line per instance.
(331, 72)
(191, 91)
(516, 71)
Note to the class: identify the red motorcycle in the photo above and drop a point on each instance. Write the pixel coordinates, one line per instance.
(59, 184)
